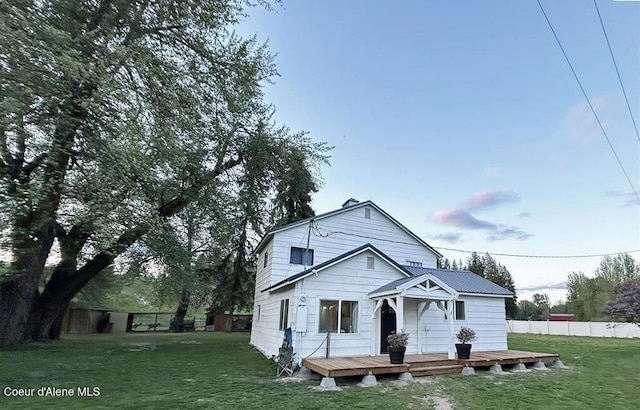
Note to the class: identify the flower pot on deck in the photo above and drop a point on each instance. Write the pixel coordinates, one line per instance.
(396, 354)
(463, 350)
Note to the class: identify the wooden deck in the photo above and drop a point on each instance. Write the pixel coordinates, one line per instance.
(419, 364)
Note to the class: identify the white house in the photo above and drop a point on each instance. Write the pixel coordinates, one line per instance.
(360, 275)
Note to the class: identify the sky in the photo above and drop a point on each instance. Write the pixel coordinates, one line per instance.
(463, 121)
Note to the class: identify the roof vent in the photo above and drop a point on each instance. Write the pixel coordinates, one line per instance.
(350, 202)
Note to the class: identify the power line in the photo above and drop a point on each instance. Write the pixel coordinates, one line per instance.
(584, 93)
(615, 64)
(515, 255)
(316, 232)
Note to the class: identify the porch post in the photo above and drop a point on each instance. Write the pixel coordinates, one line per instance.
(451, 351)
(399, 314)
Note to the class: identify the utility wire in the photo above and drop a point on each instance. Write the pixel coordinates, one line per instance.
(515, 255)
(615, 64)
(584, 93)
(316, 232)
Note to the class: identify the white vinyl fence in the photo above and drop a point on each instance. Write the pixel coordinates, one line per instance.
(593, 329)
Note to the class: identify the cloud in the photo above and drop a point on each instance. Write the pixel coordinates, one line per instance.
(580, 123)
(505, 232)
(461, 216)
(524, 215)
(448, 237)
(536, 288)
(489, 199)
(630, 199)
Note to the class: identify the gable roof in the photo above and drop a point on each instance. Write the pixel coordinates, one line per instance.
(463, 281)
(401, 284)
(333, 261)
(269, 235)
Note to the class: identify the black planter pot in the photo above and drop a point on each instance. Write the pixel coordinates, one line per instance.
(396, 354)
(464, 350)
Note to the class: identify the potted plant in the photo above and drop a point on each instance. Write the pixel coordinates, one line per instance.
(397, 346)
(465, 336)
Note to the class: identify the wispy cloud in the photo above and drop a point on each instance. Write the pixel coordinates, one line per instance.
(452, 237)
(524, 215)
(461, 216)
(580, 123)
(489, 199)
(547, 286)
(629, 198)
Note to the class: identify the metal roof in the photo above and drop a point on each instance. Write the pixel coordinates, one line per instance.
(462, 281)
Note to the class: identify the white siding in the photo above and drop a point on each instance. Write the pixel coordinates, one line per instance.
(391, 240)
(485, 315)
(348, 280)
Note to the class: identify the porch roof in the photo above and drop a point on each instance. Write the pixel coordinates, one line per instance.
(454, 281)
(427, 285)
(463, 281)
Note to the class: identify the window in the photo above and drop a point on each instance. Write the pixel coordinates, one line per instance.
(367, 213)
(284, 314)
(258, 313)
(459, 310)
(266, 259)
(371, 262)
(415, 264)
(338, 316)
(301, 256)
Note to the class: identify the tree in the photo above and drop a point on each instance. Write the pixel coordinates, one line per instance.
(527, 310)
(475, 264)
(293, 198)
(443, 263)
(587, 296)
(626, 303)
(490, 269)
(115, 115)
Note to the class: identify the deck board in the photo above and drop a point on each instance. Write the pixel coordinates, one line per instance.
(362, 365)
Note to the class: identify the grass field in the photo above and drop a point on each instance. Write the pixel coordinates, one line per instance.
(213, 370)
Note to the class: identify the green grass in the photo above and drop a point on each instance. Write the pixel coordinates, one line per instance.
(604, 374)
(214, 370)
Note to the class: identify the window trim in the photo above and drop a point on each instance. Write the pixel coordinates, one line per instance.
(414, 264)
(340, 301)
(457, 311)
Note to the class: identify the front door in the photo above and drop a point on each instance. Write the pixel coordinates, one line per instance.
(387, 325)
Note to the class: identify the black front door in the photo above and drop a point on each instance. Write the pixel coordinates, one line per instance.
(387, 325)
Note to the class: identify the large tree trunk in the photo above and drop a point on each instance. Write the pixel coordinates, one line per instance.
(181, 312)
(19, 292)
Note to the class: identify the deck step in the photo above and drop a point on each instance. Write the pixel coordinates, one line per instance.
(433, 370)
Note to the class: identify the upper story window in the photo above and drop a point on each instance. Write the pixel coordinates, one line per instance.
(301, 256)
(367, 213)
(415, 264)
(266, 259)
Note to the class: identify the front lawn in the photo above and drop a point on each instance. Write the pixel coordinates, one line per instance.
(215, 370)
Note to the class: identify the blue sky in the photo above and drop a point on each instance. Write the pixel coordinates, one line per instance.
(463, 120)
